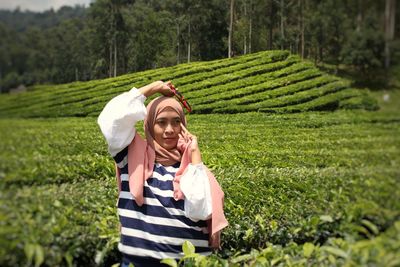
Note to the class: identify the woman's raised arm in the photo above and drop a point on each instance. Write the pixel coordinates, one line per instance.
(157, 87)
(118, 118)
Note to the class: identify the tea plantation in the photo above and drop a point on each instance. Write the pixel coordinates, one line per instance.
(273, 82)
(310, 173)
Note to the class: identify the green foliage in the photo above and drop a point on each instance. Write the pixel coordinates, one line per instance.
(111, 38)
(271, 81)
(381, 250)
(307, 189)
(364, 50)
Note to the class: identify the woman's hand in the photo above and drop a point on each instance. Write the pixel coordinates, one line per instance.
(194, 146)
(163, 88)
(157, 87)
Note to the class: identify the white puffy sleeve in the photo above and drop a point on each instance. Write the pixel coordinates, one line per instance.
(118, 118)
(195, 185)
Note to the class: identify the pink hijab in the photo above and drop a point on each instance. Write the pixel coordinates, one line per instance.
(154, 108)
(143, 154)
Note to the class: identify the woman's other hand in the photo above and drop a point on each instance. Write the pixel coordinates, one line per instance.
(163, 88)
(194, 146)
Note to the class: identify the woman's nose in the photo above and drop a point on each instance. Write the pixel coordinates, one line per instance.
(169, 128)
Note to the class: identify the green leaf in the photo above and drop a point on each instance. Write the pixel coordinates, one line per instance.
(248, 234)
(190, 256)
(326, 218)
(372, 227)
(314, 221)
(188, 248)
(241, 258)
(308, 249)
(39, 255)
(276, 260)
(170, 262)
(29, 250)
(335, 251)
(99, 256)
(332, 259)
(68, 259)
(274, 225)
(57, 203)
(262, 260)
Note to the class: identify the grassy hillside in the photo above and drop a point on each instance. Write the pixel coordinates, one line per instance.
(271, 81)
(306, 178)
(301, 189)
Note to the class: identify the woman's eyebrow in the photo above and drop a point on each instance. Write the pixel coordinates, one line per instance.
(166, 118)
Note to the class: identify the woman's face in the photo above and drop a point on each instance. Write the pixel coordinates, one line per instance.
(166, 128)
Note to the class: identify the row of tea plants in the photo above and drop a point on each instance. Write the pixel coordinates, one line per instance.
(272, 81)
(300, 189)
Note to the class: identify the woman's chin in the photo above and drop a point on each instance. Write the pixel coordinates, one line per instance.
(169, 145)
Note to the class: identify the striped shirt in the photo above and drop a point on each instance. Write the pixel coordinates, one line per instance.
(159, 227)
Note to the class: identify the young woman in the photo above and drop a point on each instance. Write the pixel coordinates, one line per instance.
(166, 194)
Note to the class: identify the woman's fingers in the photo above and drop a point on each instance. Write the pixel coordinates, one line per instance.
(184, 136)
(185, 133)
(183, 129)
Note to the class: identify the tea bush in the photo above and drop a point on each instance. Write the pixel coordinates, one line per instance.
(206, 84)
(312, 188)
(303, 186)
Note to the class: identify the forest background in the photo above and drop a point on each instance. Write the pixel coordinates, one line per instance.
(114, 37)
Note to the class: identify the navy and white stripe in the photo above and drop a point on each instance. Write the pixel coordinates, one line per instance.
(159, 227)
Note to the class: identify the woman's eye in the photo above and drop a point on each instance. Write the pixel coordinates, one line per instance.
(161, 123)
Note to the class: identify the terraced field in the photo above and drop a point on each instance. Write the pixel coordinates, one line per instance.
(307, 181)
(272, 81)
(321, 179)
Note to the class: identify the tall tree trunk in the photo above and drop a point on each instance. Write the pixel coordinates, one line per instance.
(230, 36)
(320, 52)
(390, 13)
(111, 41)
(359, 15)
(177, 43)
(270, 26)
(301, 28)
(244, 33)
(115, 55)
(244, 44)
(188, 57)
(282, 3)
(110, 49)
(250, 30)
(316, 54)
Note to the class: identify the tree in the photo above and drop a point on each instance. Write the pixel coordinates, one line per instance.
(390, 13)
(232, 2)
(152, 37)
(209, 30)
(100, 34)
(271, 14)
(364, 48)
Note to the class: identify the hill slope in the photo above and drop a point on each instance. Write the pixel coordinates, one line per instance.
(290, 180)
(271, 81)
